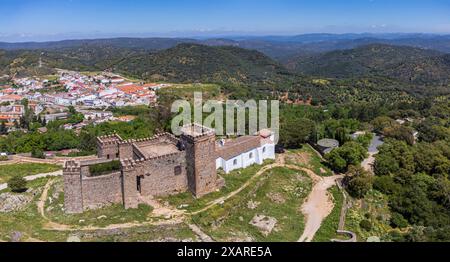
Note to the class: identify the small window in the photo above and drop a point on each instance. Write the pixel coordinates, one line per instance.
(108, 157)
(250, 155)
(235, 162)
(264, 150)
(177, 170)
(117, 155)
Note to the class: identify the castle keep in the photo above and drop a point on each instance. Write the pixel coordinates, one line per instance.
(159, 166)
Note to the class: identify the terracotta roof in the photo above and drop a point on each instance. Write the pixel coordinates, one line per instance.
(235, 147)
(11, 97)
(130, 89)
(126, 118)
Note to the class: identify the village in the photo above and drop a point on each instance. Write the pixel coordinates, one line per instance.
(89, 93)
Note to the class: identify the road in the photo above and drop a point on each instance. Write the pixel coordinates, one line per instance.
(367, 163)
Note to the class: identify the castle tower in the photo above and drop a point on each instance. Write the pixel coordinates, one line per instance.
(200, 143)
(129, 191)
(108, 146)
(73, 196)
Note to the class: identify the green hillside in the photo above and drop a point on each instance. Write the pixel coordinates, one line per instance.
(200, 63)
(405, 64)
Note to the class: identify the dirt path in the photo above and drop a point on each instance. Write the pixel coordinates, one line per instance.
(317, 207)
(160, 210)
(237, 191)
(43, 198)
(367, 164)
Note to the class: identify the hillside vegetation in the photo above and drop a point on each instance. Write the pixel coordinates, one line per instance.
(406, 64)
(199, 63)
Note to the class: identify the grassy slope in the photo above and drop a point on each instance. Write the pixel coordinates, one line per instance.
(230, 221)
(315, 163)
(233, 181)
(8, 171)
(375, 209)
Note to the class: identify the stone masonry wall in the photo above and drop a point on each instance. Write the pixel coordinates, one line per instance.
(205, 163)
(164, 175)
(201, 164)
(102, 190)
(73, 198)
(109, 151)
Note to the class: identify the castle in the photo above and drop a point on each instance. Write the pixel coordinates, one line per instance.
(160, 166)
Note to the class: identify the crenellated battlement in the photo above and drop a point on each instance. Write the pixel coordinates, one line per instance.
(107, 140)
(129, 163)
(71, 166)
(154, 138)
(196, 131)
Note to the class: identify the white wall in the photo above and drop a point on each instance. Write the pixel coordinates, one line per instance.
(245, 160)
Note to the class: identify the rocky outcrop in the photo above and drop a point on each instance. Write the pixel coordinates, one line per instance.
(265, 224)
(10, 202)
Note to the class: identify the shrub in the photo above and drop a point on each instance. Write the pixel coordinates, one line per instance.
(103, 168)
(3, 158)
(397, 220)
(17, 184)
(37, 153)
(366, 225)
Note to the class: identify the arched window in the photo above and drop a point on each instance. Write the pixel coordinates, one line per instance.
(235, 162)
(264, 150)
(250, 155)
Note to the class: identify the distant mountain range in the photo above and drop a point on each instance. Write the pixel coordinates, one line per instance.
(277, 47)
(402, 60)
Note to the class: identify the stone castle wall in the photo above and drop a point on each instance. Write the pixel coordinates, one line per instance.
(163, 175)
(102, 190)
(192, 167)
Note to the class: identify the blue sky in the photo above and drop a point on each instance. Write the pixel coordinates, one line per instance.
(58, 19)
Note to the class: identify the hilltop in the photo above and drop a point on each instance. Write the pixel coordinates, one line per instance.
(194, 62)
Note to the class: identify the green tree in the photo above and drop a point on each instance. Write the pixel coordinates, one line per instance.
(295, 132)
(385, 165)
(382, 122)
(351, 153)
(3, 129)
(400, 132)
(17, 184)
(358, 181)
(397, 220)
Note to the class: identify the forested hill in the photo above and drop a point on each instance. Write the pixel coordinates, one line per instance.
(193, 62)
(182, 63)
(406, 64)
